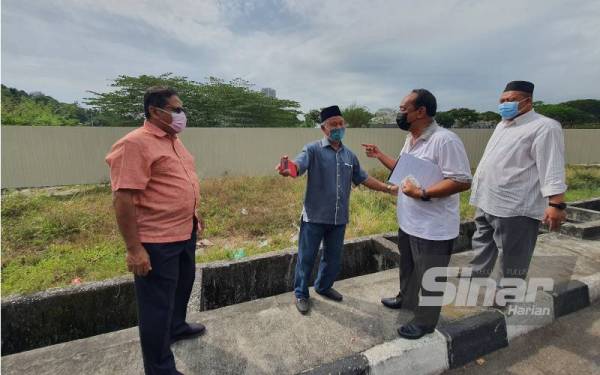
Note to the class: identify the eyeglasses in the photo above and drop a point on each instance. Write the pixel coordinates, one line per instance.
(175, 110)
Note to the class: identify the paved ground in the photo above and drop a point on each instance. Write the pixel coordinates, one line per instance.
(571, 345)
(269, 335)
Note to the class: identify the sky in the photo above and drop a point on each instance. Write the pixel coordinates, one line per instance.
(319, 53)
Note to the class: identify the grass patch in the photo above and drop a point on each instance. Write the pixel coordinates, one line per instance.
(49, 240)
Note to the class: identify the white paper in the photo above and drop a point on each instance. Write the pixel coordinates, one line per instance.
(424, 171)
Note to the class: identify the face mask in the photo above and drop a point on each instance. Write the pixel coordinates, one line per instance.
(402, 121)
(509, 110)
(337, 134)
(178, 120)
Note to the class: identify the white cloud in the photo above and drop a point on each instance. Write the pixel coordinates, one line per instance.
(319, 53)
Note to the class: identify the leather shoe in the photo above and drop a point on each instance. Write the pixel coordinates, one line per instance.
(302, 305)
(194, 330)
(332, 294)
(413, 331)
(393, 302)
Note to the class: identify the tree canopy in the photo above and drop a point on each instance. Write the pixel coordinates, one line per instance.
(214, 103)
(37, 109)
(357, 116)
(569, 115)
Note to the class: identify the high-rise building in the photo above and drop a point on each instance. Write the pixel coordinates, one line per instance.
(268, 92)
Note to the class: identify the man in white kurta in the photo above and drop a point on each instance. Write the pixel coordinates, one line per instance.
(519, 183)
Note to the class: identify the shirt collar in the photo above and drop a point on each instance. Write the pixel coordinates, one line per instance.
(427, 132)
(522, 119)
(325, 142)
(153, 129)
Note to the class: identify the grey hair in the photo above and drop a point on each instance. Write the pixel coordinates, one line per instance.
(325, 122)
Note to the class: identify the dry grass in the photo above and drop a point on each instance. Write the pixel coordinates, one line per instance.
(48, 241)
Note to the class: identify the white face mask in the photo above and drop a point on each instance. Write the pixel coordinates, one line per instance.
(178, 120)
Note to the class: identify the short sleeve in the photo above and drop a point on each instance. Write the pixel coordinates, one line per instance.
(129, 168)
(359, 175)
(302, 160)
(453, 161)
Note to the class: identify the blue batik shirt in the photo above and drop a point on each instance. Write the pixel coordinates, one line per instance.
(330, 177)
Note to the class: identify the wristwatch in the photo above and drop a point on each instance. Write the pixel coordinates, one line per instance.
(560, 206)
(389, 188)
(424, 196)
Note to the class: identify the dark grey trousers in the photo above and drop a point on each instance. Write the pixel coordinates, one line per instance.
(513, 237)
(417, 255)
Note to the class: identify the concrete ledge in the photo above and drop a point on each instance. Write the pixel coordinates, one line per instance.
(581, 214)
(75, 312)
(593, 283)
(570, 297)
(428, 355)
(357, 364)
(454, 344)
(590, 204)
(472, 337)
(228, 283)
(39, 313)
(64, 314)
(588, 230)
(520, 324)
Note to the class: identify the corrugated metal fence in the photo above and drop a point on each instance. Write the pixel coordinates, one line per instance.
(48, 156)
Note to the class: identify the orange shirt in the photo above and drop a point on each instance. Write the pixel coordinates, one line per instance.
(162, 172)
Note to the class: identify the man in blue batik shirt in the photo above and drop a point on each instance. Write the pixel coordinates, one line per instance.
(332, 168)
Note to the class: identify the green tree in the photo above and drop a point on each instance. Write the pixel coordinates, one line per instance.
(566, 115)
(20, 108)
(357, 116)
(312, 118)
(463, 117)
(445, 119)
(214, 103)
(591, 106)
(489, 116)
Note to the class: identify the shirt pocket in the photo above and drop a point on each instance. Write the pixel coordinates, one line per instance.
(346, 170)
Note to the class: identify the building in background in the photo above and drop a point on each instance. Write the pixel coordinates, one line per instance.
(269, 92)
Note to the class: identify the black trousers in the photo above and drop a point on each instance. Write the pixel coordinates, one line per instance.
(417, 255)
(162, 299)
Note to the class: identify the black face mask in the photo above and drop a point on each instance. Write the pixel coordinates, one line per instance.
(402, 121)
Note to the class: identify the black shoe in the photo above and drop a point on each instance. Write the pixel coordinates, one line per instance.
(302, 305)
(332, 294)
(393, 302)
(412, 331)
(194, 330)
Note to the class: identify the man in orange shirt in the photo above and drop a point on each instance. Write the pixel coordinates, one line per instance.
(156, 192)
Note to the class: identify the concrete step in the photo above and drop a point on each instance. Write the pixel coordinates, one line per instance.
(268, 336)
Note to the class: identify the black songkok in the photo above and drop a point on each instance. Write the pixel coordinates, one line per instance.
(523, 86)
(328, 112)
